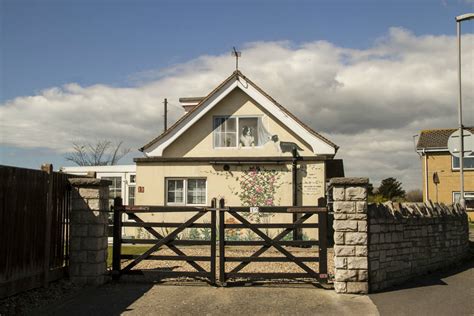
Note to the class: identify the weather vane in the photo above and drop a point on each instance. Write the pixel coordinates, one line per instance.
(237, 54)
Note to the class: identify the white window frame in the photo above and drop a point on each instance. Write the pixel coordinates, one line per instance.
(464, 168)
(185, 191)
(237, 130)
(467, 195)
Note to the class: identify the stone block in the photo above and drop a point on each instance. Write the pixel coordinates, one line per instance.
(96, 256)
(78, 230)
(357, 263)
(357, 216)
(361, 207)
(79, 204)
(339, 238)
(344, 251)
(357, 287)
(78, 257)
(93, 269)
(344, 207)
(374, 239)
(362, 226)
(363, 275)
(340, 263)
(338, 194)
(340, 216)
(356, 193)
(345, 275)
(355, 238)
(362, 251)
(92, 243)
(97, 230)
(340, 287)
(345, 226)
(89, 193)
(75, 243)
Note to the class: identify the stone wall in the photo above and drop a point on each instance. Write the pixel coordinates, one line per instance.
(410, 239)
(377, 246)
(89, 221)
(349, 197)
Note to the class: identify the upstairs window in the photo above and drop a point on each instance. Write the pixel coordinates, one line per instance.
(239, 132)
(468, 162)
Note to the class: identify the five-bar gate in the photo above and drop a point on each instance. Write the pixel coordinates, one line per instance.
(230, 218)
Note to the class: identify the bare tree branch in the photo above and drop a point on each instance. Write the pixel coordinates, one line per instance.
(100, 153)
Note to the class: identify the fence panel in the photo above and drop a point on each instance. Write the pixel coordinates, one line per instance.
(28, 259)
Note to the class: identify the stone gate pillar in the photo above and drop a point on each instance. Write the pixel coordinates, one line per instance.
(89, 221)
(350, 234)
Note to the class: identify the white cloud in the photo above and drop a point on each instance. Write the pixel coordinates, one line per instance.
(369, 101)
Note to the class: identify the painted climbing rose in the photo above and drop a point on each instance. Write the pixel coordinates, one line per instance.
(258, 187)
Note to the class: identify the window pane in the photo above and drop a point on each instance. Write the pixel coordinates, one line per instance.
(468, 162)
(131, 196)
(171, 197)
(248, 131)
(196, 191)
(230, 125)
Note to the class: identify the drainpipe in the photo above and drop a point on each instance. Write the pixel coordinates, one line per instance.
(297, 233)
(427, 197)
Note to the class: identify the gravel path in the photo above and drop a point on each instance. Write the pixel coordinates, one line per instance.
(283, 267)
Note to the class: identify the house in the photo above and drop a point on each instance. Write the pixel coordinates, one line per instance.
(441, 180)
(239, 144)
(123, 178)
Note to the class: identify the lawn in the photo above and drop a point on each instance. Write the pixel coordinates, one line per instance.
(129, 250)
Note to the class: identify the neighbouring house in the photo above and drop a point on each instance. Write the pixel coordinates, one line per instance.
(236, 143)
(123, 178)
(441, 181)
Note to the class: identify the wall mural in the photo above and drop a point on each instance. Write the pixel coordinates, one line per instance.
(258, 187)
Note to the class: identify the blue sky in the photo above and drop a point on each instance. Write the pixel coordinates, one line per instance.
(49, 43)
(109, 45)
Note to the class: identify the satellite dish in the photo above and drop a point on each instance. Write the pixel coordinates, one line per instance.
(453, 143)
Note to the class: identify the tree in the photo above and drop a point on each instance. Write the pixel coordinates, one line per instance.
(100, 153)
(414, 196)
(391, 188)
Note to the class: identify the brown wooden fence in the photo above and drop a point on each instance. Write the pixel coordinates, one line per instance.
(34, 227)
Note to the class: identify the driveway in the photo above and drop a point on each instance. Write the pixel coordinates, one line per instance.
(443, 293)
(200, 299)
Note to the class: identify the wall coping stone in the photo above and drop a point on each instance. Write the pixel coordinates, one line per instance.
(414, 210)
(349, 181)
(92, 182)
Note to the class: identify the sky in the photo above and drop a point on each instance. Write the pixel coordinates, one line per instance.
(369, 75)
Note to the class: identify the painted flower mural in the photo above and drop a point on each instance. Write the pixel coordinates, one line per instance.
(258, 187)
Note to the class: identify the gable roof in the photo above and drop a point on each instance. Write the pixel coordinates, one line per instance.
(180, 123)
(436, 138)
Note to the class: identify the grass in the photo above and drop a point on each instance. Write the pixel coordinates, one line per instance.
(129, 250)
(471, 225)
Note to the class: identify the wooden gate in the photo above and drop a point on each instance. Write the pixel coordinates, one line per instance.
(264, 242)
(161, 240)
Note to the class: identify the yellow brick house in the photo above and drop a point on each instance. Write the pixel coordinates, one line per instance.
(440, 173)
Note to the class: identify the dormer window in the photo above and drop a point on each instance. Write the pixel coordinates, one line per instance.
(239, 132)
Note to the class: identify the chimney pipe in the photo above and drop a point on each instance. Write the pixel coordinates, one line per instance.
(165, 115)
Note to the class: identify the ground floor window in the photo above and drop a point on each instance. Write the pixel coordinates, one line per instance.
(468, 196)
(131, 195)
(186, 191)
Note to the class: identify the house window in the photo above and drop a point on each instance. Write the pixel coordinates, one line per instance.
(132, 178)
(225, 132)
(131, 195)
(468, 162)
(239, 131)
(115, 189)
(468, 196)
(186, 191)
